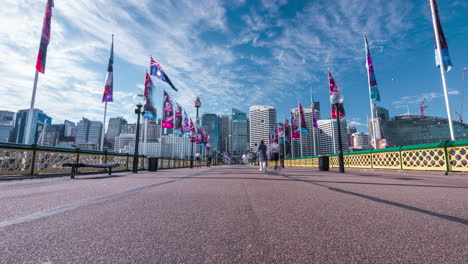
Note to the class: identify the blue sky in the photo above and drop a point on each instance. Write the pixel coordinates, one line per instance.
(231, 54)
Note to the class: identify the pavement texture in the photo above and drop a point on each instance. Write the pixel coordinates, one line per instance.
(232, 214)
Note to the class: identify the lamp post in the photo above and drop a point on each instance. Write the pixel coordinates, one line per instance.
(336, 99)
(139, 101)
(197, 105)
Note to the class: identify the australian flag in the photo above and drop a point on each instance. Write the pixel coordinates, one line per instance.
(156, 70)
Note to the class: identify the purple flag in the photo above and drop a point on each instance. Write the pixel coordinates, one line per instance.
(168, 113)
(108, 88)
(45, 38)
(375, 95)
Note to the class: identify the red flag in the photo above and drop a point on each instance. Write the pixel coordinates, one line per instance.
(45, 38)
(334, 89)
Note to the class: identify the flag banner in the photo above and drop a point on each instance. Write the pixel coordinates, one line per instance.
(157, 71)
(287, 134)
(340, 109)
(334, 89)
(295, 133)
(199, 136)
(192, 129)
(109, 86)
(168, 113)
(178, 128)
(304, 129)
(443, 43)
(375, 95)
(314, 119)
(186, 126)
(207, 142)
(280, 133)
(150, 110)
(276, 138)
(45, 38)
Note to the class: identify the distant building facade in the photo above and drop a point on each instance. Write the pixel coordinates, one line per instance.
(328, 136)
(262, 121)
(7, 124)
(39, 120)
(210, 124)
(239, 133)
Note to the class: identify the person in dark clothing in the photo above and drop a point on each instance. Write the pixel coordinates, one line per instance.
(208, 163)
(262, 156)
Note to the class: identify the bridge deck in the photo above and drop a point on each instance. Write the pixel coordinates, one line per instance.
(236, 215)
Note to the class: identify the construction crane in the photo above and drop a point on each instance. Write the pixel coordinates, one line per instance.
(422, 107)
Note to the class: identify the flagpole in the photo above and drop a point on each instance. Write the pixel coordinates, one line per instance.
(103, 127)
(333, 131)
(374, 136)
(31, 110)
(292, 141)
(145, 138)
(312, 108)
(442, 70)
(300, 130)
(284, 138)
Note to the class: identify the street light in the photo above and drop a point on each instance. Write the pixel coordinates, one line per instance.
(139, 101)
(197, 105)
(336, 99)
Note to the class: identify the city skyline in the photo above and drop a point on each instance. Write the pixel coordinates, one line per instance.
(292, 43)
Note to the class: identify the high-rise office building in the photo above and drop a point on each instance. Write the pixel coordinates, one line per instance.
(225, 133)
(38, 120)
(360, 140)
(114, 128)
(70, 129)
(328, 136)
(210, 123)
(239, 133)
(310, 146)
(7, 124)
(88, 134)
(262, 121)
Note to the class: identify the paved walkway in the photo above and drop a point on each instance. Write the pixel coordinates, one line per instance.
(236, 215)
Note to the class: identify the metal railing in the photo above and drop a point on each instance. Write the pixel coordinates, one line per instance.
(22, 160)
(441, 156)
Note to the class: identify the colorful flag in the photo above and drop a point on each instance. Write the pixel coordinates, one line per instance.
(304, 129)
(178, 128)
(150, 110)
(294, 127)
(443, 43)
(156, 70)
(374, 90)
(287, 134)
(45, 38)
(193, 131)
(186, 126)
(314, 118)
(207, 142)
(168, 113)
(108, 88)
(280, 133)
(334, 89)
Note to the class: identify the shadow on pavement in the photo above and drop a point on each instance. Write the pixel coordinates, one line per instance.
(379, 200)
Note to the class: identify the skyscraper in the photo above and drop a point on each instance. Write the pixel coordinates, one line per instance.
(225, 134)
(7, 124)
(328, 136)
(114, 128)
(88, 134)
(38, 120)
(239, 133)
(210, 123)
(309, 148)
(262, 121)
(70, 129)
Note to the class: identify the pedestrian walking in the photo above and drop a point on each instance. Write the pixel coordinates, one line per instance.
(198, 160)
(274, 150)
(262, 156)
(208, 162)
